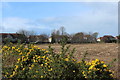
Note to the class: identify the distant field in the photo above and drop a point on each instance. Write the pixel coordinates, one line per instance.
(103, 51)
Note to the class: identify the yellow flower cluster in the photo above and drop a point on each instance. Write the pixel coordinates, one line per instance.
(28, 56)
(96, 66)
(95, 63)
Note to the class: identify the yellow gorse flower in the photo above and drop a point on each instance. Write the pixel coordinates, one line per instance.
(50, 69)
(16, 66)
(96, 60)
(43, 49)
(31, 50)
(66, 59)
(46, 51)
(18, 59)
(79, 62)
(13, 47)
(41, 76)
(73, 70)
(91, 67)
(36, 71)
(104, 65)
(43, 57)
(20, 53)
(28, 53)
(23, 69)
(102, 61)
(74, 59)
(32, 65)
(41, 65)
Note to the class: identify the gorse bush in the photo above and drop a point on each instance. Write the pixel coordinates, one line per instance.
(34, 62)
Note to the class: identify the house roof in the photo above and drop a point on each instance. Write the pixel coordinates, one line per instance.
(14, 35)
(100, 38)
(107, 36)
(8, 33)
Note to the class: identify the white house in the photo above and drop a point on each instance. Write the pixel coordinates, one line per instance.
(50, 39)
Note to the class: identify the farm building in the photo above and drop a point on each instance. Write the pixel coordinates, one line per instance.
(38, 39)
(99, 39)
(12, 37)
(83, 38)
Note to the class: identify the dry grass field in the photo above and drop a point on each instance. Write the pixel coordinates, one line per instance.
(103, 51)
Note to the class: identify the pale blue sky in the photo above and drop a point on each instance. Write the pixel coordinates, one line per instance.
(42, 17)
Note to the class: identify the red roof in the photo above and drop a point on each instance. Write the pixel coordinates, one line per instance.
(8, 34)
(100, 38)
(107, 36)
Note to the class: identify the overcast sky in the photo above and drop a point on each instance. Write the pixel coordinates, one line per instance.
(42, 17)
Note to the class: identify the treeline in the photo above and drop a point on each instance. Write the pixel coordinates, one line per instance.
(79, 37)
(56, 36)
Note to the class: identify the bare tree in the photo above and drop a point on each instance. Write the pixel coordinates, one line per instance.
(57, 32)
(53, 32)
(62, 30)
(26, 32)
